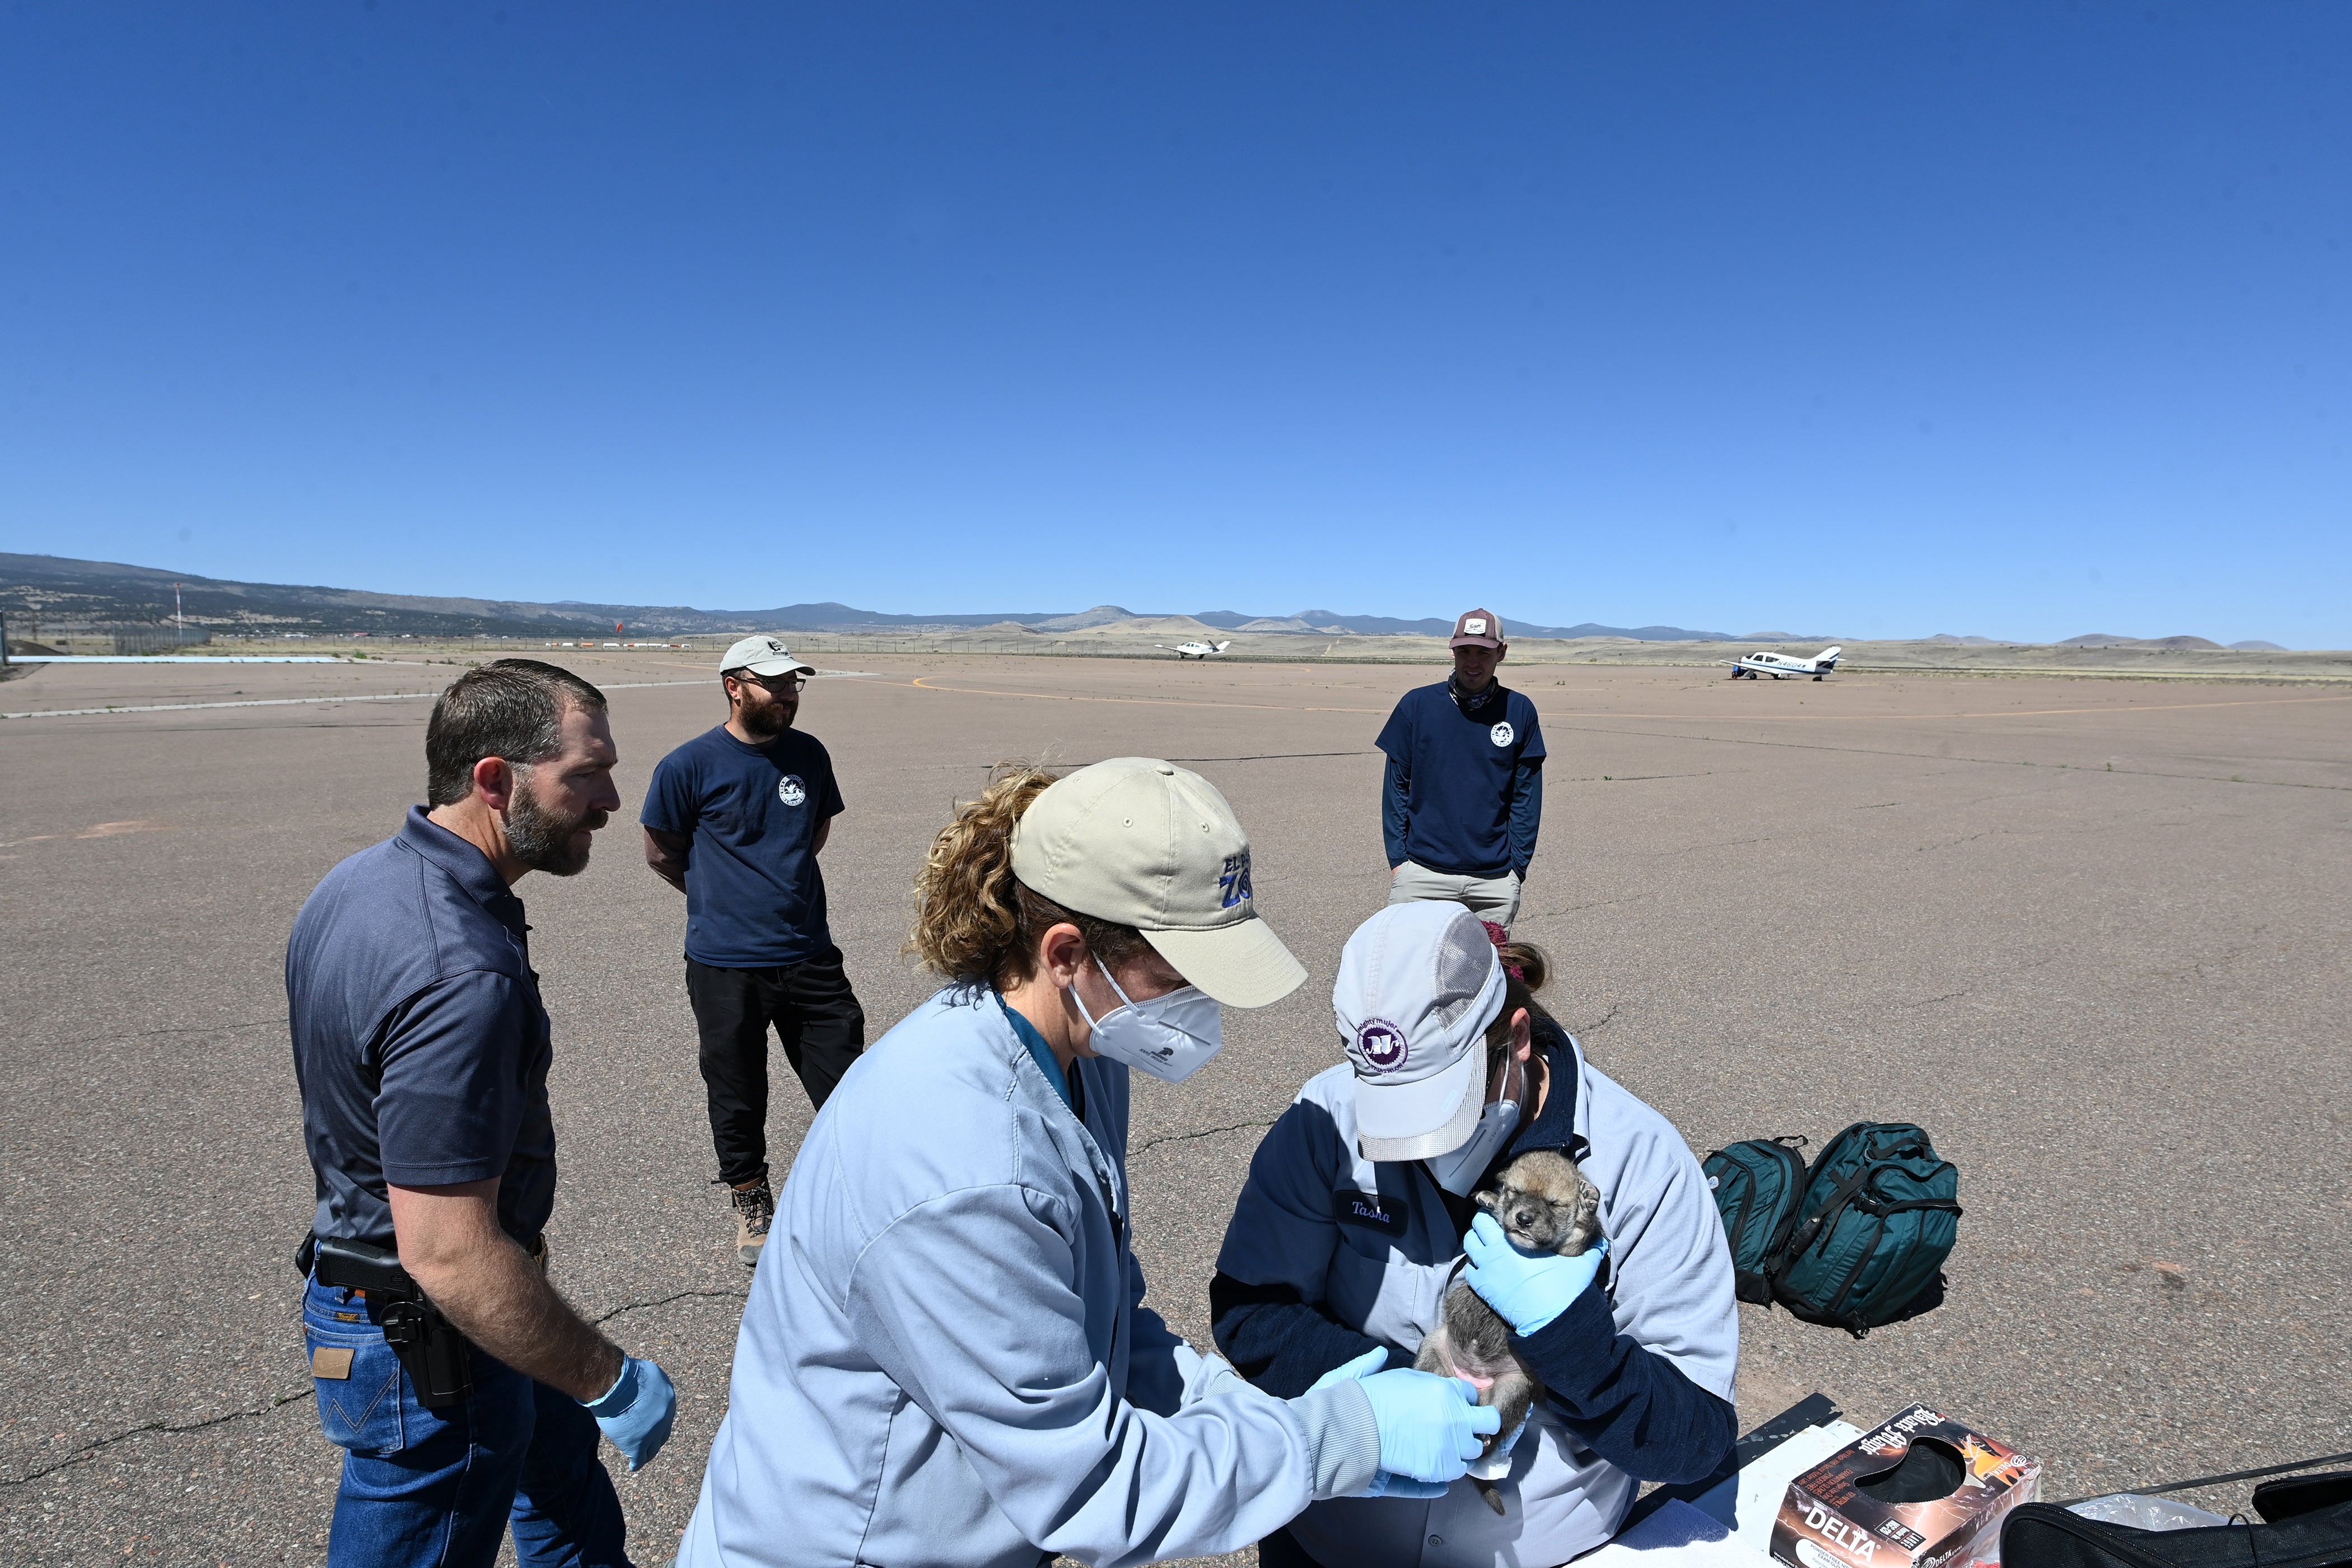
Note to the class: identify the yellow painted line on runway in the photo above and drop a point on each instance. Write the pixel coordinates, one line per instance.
(250, 703)
(1915, 718)
(2157, 707)
(2110, 771)
(347, 696)
(924, 683)
(98, 830)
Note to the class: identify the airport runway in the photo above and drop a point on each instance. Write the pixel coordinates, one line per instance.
(2090, 935)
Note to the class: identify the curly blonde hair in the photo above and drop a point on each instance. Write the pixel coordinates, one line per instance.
(975, 922)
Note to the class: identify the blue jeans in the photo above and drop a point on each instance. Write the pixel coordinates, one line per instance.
(440, 1487)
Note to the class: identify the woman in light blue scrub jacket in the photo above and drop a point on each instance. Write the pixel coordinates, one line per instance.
(945, 1358)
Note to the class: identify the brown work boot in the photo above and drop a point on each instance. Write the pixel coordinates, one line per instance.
(755, 1207)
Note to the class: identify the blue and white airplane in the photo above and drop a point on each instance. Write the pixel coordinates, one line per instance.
(1784, 667)
(1183, 650)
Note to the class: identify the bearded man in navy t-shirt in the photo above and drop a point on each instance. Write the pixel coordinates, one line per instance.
(734, 820)
(1463, 796)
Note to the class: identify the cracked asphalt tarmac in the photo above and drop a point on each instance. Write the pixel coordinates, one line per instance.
(2089, 933)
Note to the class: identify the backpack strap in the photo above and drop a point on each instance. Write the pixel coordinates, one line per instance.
(1813, 1223)
(1834, 1309)
(1734, 1231)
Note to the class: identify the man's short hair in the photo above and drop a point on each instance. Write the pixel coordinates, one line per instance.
(508, 708)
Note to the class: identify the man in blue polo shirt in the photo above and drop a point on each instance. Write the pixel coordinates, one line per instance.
(735, 820)
(467, 1392)
(1463, 796)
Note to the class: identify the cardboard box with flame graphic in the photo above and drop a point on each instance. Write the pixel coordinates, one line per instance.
(1831, 1516)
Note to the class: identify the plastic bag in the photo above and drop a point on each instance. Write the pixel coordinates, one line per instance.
(2144, 1512)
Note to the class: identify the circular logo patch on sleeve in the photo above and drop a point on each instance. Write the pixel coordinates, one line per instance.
(789, 790)
(1502, 734)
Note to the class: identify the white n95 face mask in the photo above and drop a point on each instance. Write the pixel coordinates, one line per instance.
(1168, 1037)
(1458, 1171)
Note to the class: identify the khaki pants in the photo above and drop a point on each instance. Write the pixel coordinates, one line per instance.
(1493, 898)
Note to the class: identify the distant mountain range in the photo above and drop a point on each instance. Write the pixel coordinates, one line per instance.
(57, 591)
(62, 594)
(1331, 621)
(2186, 644)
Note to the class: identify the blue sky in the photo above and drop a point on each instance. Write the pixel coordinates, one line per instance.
(1869, 318)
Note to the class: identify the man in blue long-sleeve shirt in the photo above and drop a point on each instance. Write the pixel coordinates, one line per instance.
(1463, 797)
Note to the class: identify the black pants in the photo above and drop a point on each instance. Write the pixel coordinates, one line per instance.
(815, 1014)
(1279, 1550)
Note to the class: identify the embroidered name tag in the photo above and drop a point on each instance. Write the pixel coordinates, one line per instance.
(331, 1361)
(1369, 1210)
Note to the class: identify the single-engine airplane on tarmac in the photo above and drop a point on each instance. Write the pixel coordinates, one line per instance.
(1784, 667)
(1194, 650)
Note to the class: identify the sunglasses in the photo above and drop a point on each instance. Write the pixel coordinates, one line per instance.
(783, 683)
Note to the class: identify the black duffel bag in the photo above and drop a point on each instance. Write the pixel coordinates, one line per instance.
(2045, 1535)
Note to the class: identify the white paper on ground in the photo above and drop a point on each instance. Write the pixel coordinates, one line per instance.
(1676, 1536)
(1730, 1525)
(1766, 1479)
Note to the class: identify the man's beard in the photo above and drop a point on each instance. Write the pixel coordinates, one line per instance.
(765, 723)
(541, 839)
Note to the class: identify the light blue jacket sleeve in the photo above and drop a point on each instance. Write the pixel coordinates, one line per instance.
(999, 1358)
(1164, 1373)
(1155, 1368)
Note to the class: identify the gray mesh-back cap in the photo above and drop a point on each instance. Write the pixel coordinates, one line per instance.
(1418, 984)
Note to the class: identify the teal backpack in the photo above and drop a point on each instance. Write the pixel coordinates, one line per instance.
(1867, 1229)
(1757, 1186)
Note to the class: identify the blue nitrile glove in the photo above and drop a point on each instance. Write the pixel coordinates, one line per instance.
(1431, 1426)
(1383, 1483)
(1498, 1465)
(1363, 1366)
(1528, 1292)
(636, 1412)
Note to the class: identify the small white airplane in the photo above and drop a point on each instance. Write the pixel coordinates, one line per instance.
(1784, 667)
(1194, 650)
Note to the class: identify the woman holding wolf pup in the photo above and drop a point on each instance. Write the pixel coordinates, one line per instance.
(1355, 1221)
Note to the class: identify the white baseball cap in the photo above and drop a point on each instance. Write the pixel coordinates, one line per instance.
(763, 655)
(1143, 843)
(1418, 984)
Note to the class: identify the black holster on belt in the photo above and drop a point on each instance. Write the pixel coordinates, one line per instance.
(436, 1357)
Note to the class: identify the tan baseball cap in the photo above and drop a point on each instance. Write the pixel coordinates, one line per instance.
(763, 655)
(1143, 843)
(1477, 628)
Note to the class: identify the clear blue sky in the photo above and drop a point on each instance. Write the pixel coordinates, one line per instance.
(1871, 319)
